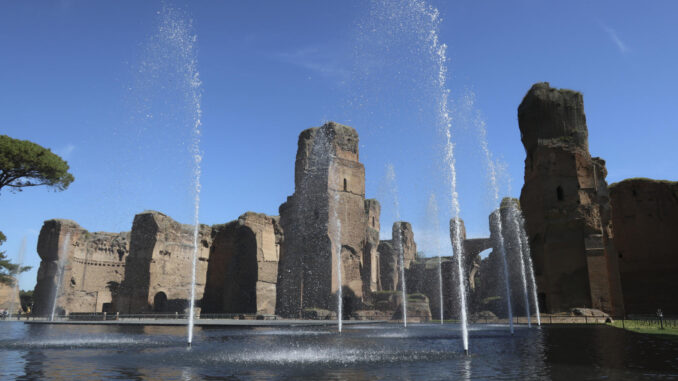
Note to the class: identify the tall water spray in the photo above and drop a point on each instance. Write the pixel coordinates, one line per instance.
(61, 265)
(434, 229)
(528, 264)
(337, 241)
(397, 240)
(496, 220)
(515, 230)
(20, 261)
(176, 39)
(439, 53)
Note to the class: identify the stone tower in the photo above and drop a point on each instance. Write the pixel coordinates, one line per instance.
(566, 205)
(329, 188)
(158, 269)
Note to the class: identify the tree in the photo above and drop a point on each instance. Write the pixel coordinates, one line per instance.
(26, 164)
(9, 270)
(26, 298)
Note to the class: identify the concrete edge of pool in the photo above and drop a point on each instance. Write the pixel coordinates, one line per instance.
(210, 322)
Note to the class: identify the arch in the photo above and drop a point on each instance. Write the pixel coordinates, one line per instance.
(232, 273)
(541, 299)
(160, 302)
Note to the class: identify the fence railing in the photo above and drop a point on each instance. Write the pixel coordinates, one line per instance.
(628, 322)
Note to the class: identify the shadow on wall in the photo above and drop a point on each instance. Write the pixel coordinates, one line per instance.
(163, 305)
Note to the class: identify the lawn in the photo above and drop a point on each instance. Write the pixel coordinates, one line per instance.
(650, 328)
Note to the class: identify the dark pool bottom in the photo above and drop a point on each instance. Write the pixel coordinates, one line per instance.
(381, 352)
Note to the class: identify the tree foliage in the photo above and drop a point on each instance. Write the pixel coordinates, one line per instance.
(26, 164)
(9, 270)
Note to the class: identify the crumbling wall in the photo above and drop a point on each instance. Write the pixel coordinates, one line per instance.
(243, 266)
(566, 204)
(645, 225)
(93, 268)
(329, 182)
(158, 271)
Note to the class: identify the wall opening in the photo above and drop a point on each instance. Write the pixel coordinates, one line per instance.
(345, 185)
(559, 193)
(160, 302)
(541, 299)
(372, 221)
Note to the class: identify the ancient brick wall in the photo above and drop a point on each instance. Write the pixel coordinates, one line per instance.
(93, 268)
(566, 205)
(159, 268)
(329, 181)
(645, 225)
(243, 266)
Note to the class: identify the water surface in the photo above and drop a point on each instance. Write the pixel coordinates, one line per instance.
(362, 352)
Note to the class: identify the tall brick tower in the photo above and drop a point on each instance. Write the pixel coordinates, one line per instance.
(326, 215)
(566, 205)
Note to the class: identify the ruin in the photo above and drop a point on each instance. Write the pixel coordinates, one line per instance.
(327, 213)
(94, 268)
(565, 202)
(389, 255)
(287, 265)
(9, 298)
(156, 279)
(243, 266)
(645, 222)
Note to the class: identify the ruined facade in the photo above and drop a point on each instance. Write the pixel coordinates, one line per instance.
(159, 268)
(389, 255)
(565, 202)
(243, 266)
(9, 298)
(93, 267)
(326, 216)
(645, 225)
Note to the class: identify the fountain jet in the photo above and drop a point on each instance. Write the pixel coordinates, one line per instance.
(20, 261)
(65, 246)
(397, 240)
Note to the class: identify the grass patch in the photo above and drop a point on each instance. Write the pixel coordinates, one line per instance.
(644, 328)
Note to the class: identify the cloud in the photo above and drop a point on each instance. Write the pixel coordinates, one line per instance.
(623, 48)
(316, 59)
(65, 152)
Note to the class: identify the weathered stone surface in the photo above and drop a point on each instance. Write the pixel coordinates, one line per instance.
(158, 270)
(579, 311)
(325, 216)
(645, 225)
(94, 267)
(371, 280)
(566, 205)
(402, 238)
(243, 266)
(423, 274)
(9, 298)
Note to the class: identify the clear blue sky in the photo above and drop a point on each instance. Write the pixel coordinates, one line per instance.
(79, 77)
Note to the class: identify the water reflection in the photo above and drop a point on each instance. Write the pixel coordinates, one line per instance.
(420, 352)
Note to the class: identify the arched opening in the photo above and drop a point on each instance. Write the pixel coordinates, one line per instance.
(559, 193)
(347, 309)
(160, 302)
(232, 274)
(345, 185)
(541, 299)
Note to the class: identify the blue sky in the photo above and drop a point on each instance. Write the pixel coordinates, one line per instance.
(90, 81)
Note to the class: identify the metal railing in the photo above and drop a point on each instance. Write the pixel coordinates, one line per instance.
(627, 322)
